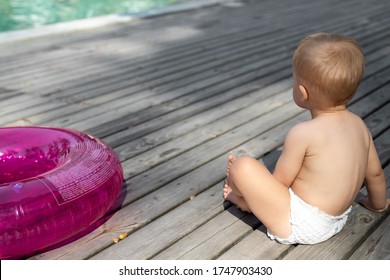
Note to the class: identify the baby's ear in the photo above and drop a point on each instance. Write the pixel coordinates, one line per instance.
(304, 92)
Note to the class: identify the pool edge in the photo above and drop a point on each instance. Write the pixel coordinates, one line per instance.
(95, 22)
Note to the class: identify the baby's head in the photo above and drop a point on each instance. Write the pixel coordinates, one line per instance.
(330, 66)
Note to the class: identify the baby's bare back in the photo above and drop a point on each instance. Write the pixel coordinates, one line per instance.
(335, 162)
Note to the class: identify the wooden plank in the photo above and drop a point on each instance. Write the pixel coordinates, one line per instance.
(161, 153)
(5, 95)
(159, 70)
(11, 98)
(205, 87)
(148, 241)
(16, 66)
(371, 102)
(131, 148)
(226, 228)
(378, 83)
(256, 246)
(141, 125)
(141, 104)
(163, 173)
(162, 112)
(377, 245)
(136, 117)
(379, 121)
(23, 112)
(18, 103)
(245, 53)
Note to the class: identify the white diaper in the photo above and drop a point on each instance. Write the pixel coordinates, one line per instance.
(309, 224)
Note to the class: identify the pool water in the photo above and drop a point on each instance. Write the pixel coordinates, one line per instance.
(23, 14)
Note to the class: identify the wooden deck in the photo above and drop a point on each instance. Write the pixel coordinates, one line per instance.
(174, 95)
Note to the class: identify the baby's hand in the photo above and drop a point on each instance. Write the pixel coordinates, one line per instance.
(366, 203)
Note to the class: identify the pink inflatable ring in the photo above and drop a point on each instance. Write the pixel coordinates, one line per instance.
(54, 183)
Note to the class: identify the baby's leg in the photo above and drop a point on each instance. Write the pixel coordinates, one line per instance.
(253, 188)
(229, 194)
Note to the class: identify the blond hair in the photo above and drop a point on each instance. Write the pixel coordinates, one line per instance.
(331, 65)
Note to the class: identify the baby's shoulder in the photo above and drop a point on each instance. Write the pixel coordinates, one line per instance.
(303, 129)
(301, 132)
(310, 131)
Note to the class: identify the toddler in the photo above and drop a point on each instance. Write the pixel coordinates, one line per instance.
(324, 161)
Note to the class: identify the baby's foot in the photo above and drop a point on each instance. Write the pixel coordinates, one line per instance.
(229, 195)
(231, 160)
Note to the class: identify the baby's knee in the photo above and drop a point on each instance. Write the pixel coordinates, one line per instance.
(245, 166)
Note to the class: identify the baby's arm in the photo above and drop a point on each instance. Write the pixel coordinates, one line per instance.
(375, 183)
(294, 150)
